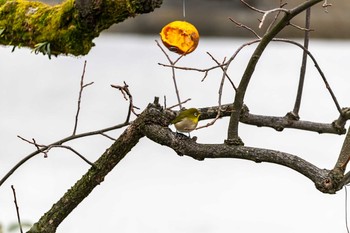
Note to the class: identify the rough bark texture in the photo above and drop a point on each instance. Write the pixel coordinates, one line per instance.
(67, 28)
(95, 175)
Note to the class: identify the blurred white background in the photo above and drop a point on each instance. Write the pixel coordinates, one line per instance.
(152, 189)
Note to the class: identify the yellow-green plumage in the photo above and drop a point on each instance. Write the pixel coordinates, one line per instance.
(187, 120)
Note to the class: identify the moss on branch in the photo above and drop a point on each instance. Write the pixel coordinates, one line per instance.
(67, 28)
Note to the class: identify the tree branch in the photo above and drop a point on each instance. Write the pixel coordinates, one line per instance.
(232, 135)
(67, 28)
(95, 175)
(182, 145)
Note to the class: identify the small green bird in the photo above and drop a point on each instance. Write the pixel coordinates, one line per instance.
(187, 120)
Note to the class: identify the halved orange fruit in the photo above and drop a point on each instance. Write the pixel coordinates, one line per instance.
(180, 37)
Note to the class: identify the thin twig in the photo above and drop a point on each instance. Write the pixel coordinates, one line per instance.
(245, 27)
(82, 86)
(107, 136)
(223, 68)
(173, 72)
(334, 98)
(224, 75)
(175, 105)
(300, 28)
(269, 12)
(253, 8)
(17, 208)
(191, 68)
(74, 151)
(303, 64)
(37, 146)
(45, 149)
(60, 142)
(127, 94)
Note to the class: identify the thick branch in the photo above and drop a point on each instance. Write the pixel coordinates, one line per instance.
(96, 174)
(67, 28)
(276, 122)
(185, 146)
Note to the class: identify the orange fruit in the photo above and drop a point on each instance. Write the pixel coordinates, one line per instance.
(180, 37)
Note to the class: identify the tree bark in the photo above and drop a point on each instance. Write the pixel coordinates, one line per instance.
(49, 222)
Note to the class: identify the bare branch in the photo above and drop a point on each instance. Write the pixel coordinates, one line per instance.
(60, 142)
(253, 8)
(303, 64)
(107, 136)
(45, 149)
(324, 79)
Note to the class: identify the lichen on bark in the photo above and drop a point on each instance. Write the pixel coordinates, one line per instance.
(66, 28)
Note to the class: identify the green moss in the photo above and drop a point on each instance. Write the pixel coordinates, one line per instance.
(59, 29)
(33, 23)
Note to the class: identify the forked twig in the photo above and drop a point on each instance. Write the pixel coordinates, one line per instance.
(276, 17)
(82, 86)
(60, 142)
(265, 13)
(172, 63)
(45, 149)
(323, 77)
(37, 146)
(224, 69)
(127, 96)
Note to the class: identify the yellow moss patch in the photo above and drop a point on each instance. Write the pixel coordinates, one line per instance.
(180, 37)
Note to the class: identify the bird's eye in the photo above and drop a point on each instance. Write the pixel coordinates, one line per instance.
(195, 114)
